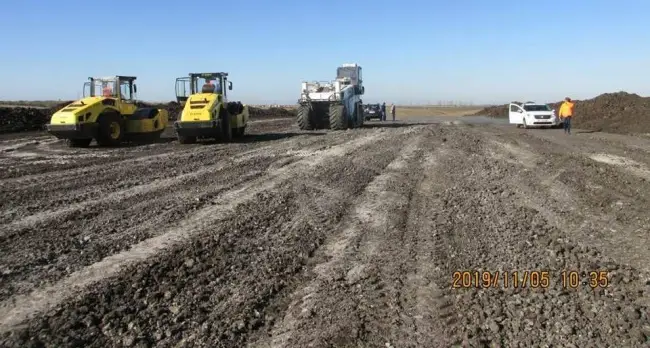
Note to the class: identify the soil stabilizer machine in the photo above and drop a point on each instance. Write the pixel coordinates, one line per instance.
(206, 110)
(335, 105)
(108, 113)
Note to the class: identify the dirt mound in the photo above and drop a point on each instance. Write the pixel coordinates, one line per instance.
(271, 112)
(173, 108)
(619, 112)
(493, 111)
(19, 119)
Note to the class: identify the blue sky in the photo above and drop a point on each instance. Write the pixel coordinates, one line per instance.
(411, 51)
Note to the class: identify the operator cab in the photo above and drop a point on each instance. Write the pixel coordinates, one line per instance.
(350, 74)
(117, 87)
(201, 83)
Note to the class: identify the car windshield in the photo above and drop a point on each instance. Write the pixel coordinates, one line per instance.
(537, 108)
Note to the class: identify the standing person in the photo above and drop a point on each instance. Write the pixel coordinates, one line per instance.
(392, 110)
(383, 111)
(566, 113)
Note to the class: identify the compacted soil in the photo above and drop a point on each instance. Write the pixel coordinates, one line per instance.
(394, 235)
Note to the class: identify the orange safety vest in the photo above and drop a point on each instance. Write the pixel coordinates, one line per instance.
(566, 109)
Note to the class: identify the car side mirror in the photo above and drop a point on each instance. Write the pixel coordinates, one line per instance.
(229, 86)
(520, 111)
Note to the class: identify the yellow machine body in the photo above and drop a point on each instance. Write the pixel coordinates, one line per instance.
(204, 114)
(205, 107)
(87, 110)
(110, 120)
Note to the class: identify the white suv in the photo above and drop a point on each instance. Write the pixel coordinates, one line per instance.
(531, 114)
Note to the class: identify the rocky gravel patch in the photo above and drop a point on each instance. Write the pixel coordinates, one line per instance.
(412, 235)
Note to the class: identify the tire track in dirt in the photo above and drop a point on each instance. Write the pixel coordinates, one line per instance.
(46, 254)
(24, 201)
(631, 166)
(399, 211)
(521, 238)
(80, 162)
(25, 139)
(335, 307)
(193, 225)
(601, 203)
(143, 155)
(428, 310)
(140, 179)
(633, 147)
(98, 229)
(16, 144)
(605, 229)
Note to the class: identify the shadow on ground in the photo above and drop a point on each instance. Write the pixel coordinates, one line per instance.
(258, 138)
(161, 140)
(587, 131)
(391, 124)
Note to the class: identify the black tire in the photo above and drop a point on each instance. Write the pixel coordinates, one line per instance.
(338, 117)
(305, 118)
(235, 108)
(111, 129)
(352, 121)
(226, 128)
(360, 114)
(78, 142)
(239, 132)
(186, 139)
(144, 113)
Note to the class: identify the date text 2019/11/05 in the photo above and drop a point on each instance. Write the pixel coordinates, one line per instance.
(528, 279)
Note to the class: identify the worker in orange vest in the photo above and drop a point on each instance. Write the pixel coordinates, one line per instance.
(566, 113)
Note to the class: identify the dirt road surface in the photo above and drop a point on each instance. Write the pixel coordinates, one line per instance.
(329, 239)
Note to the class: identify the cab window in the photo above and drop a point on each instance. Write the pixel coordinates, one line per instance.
(125, 90)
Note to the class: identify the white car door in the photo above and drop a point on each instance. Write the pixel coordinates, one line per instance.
(515, 114)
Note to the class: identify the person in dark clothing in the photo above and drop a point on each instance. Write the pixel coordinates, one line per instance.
(208, 87)
(383, 111)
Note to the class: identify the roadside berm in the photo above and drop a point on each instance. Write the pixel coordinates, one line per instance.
(619, 112)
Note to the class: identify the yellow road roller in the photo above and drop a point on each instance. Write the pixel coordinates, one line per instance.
(206, 110)
(108, 113)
